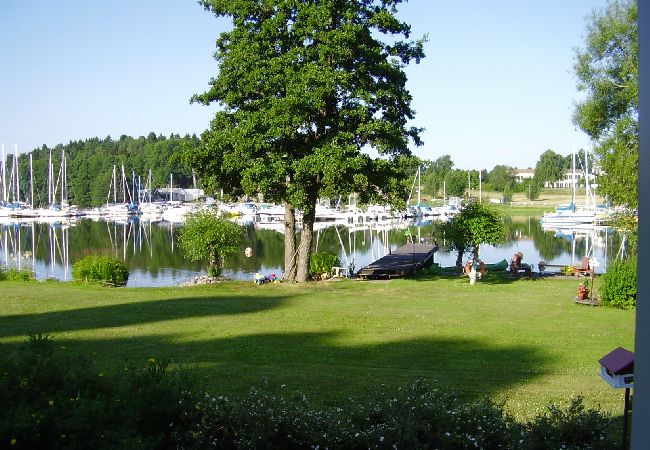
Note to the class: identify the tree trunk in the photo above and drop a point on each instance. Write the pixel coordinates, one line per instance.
(459, 260)
(306, 237)
(290, 254)
(304, 248)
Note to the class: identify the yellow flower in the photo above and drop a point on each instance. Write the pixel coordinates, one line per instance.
(100, 374)
(13, 441)
(51, 403)
(152, 360)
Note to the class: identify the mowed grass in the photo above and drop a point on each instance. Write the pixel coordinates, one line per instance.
(520, 341)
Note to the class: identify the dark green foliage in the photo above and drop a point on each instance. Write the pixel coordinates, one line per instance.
(476, 224)
(60, 401)
(549, 167)
(501, 178)
(101, 269)
(570, 428)
(303, 89)
(323, 262)
(618, 285)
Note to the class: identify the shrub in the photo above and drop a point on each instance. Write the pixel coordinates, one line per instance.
(16, 275)
(101, 268)
(573, 427)
(618, 284)
(58, 400)
(323, 262)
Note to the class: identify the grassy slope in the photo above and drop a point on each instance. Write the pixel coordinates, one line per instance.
(522, 341)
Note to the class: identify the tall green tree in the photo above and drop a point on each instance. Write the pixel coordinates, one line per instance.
(549, 167)
(304, 87)
(607, 71)
(501, 177)
(456, 182)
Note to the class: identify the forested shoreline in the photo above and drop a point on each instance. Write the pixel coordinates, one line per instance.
(90, 166)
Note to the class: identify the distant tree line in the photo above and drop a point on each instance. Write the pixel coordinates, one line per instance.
(90, 166)
(439, 176)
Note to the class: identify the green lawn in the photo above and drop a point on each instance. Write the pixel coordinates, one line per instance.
(521, 341)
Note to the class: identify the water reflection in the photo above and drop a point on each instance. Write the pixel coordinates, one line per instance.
(150, 250)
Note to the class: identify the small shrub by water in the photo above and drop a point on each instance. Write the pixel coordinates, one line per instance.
(101, 269)
(618, 284)
(16, 275)
(323, 262)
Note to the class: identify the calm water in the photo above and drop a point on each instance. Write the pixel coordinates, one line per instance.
(152, 255)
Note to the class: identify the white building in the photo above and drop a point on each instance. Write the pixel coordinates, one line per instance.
(567, 181)
(522, 175)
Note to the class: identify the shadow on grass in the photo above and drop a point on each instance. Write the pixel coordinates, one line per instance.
(323, 365)
(134, 313)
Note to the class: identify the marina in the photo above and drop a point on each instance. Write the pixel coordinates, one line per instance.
(150, 251)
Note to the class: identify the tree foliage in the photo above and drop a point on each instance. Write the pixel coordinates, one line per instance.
(208, 236)
(456, 182)
(304, 87)
(434, 173)
(477, 223)
(501, 177)
(607, 71)
(549, 167)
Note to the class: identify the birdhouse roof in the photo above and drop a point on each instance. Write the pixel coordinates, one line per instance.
(618, 361)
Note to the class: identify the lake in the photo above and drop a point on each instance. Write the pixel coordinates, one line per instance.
(153, 257)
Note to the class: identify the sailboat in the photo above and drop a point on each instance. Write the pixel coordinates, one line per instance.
(118, 210)
(54, 209)
(147, 207)
(571, 214)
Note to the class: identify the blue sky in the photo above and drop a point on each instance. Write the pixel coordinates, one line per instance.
(497, 86)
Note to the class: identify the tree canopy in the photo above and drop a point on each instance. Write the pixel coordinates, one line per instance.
(549, 167)
(208, 236)
(476, 224)
(607, 71)
(304, 89)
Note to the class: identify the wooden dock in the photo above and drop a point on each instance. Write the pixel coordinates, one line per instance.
(405, 260)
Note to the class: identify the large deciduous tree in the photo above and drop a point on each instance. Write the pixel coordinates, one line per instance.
(304, 87)
(549, 167)
(607, 71)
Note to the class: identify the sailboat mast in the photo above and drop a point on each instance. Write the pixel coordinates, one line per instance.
(50, 200)
(419, 184)
(123, 185)
(573, 179)
(62, 176)
(114, 185)
(4, 175)
(31, 181)
(17, 178)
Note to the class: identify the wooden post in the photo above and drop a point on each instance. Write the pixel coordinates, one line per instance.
(625, 418)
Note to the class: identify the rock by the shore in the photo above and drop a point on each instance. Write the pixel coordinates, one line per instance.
(203, 279)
